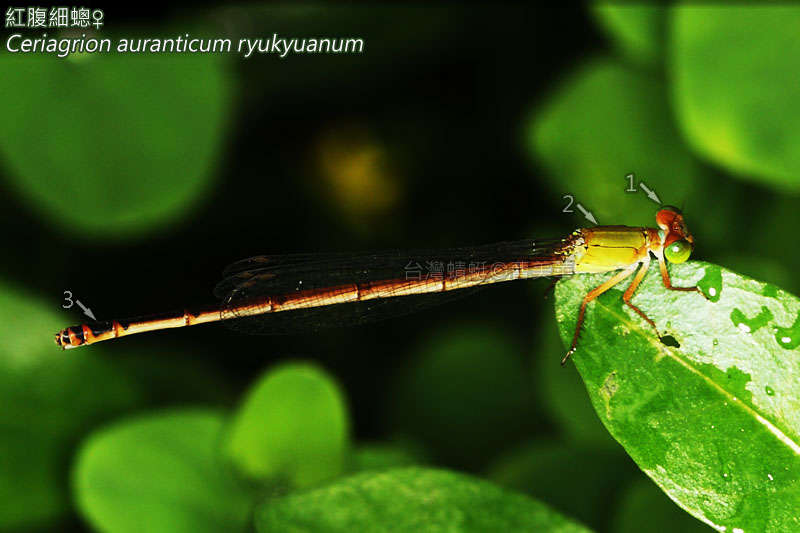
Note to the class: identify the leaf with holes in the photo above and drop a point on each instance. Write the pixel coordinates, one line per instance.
(715, 421)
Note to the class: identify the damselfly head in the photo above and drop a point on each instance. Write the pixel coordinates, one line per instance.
(678, 242)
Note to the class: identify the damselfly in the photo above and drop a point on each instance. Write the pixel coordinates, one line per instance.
(301, 292)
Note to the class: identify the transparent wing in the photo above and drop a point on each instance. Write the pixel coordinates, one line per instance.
(280, 276)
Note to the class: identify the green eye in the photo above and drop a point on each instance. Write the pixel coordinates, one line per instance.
(678, 251)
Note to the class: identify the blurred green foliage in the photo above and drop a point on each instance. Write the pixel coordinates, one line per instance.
(468, 384)
(160, 472)
(560, 390)
(739, 108)
(153, 124)
(636, 29)
(292, 426)
(605, 122)
(577, 480)
(642, 507)
(171, 471)
(48, 401)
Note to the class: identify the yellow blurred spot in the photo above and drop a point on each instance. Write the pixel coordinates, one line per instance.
(356, 171)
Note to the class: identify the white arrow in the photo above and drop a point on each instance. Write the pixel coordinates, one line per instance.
(650, 193)
(86, 310)
(589, 216)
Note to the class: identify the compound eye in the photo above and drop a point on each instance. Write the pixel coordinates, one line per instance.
(678, 251)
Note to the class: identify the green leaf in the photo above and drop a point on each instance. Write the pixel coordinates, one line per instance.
(578, 480)
(759, 266)
(292, 427)
(637, 30)
(467, 385)
(49, 399)
(124, 143)
(715, 422)
(735, 91)
(160, 472)
(642, 505)
(410, 499)
(605, 122)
